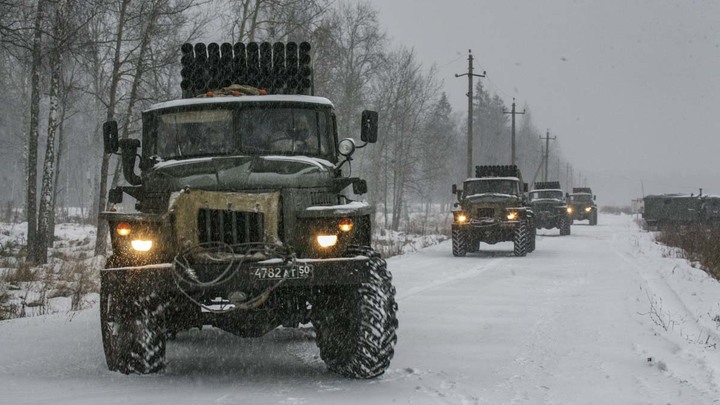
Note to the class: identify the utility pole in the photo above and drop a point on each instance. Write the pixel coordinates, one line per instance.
(513, 112)
(470, 76)
(547, 152)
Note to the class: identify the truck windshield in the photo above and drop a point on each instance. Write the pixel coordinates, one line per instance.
(581, 197)
(252, 130)
(504, 186)
(546, 194)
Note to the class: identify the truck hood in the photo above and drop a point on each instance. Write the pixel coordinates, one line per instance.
(239, 172)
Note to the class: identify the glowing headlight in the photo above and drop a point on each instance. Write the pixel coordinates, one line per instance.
(123, 229)
(569, 210)
(588, 209)
(141, 245)
(326, 240)
(345, 225)
(512, 215)
(461, 218)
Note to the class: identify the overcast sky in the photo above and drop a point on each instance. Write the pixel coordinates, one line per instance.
(630, 88)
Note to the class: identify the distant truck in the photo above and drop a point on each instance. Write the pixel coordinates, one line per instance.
(680, 209)
(581, 205)
(492, 208)
(547, 201)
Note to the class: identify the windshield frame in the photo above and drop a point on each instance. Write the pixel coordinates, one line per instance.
(468, 190)
(558, 194)
(587, 198)
(151, 124)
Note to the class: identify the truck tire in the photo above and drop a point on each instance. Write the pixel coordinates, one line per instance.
(565, 225)
(593, 218)
(133, 330)
(520, 240)
(459, 243)
(531, 239)
(356, 326)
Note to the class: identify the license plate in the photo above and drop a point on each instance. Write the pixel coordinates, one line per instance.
(281, 272)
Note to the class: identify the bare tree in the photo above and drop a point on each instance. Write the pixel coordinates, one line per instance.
(404, 96)
(34, 245)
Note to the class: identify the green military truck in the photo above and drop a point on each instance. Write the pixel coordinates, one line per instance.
(492, 208)
(581, 204)
(547, 201)
(244, 219)
(680, 209)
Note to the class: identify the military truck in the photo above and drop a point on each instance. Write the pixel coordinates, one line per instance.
(547, 201)
(244, 219)
(492, 208)
(680, 209)
(581, 205)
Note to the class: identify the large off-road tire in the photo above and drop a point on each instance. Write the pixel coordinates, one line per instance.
(459, 243)
(133, 331)
(565, 225)
(356, 326)
(520, 239)
(593, 218)
(532, 238)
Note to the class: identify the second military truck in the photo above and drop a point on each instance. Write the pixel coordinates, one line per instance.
(492, 208)
(548, 204)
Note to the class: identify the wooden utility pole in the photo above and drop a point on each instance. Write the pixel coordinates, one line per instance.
(547, 152)
(470, 76)
(513, 112)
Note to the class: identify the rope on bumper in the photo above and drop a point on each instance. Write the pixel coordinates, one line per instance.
(234, 256)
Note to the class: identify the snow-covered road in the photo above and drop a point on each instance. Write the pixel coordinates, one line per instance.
(603, 316)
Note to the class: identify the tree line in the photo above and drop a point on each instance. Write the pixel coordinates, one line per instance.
(66, 66)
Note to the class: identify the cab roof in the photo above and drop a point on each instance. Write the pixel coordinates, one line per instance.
(241, 99)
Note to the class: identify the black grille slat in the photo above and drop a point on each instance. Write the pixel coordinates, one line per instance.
(485, 212)
(322, 198)
(231, 227)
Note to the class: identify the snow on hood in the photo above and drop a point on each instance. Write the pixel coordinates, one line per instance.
(340, 209)
(496, 195)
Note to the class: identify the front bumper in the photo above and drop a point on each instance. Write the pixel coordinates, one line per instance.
(165, 277)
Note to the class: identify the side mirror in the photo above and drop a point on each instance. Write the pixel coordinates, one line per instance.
(454, 189)
(567, 195)
(369, 126)
(360, 186)
(110, 137)
(525, 187)
(594, 197)
(128, 154)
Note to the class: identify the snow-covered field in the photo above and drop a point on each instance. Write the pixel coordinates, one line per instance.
(603, 316)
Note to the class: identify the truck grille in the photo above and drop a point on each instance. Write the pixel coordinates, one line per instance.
(231, 227)
(485, 212)
(322, 198)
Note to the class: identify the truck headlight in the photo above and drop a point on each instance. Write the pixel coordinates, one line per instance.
(345, 225)
(569, 210)
(123, 229)
(141, 245)
(588, 209)
(461, 218)
(327, 240)
(511, 216)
